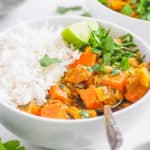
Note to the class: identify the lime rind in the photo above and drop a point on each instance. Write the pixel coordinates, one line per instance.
(71, 39)
(78, 34)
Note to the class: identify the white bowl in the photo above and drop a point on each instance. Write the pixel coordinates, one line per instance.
(139, 26)
(73, 134)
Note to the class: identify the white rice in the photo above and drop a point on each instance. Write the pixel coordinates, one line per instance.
(22, 79)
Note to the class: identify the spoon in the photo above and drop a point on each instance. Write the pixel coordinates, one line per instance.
(101, 110)
(114, 135)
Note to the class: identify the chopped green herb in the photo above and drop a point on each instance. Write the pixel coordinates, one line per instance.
(141, 60)
(126, 38)
(63, 10)
(45, 61)
(84, 114)
(108, 44)
(86, 14)
(97, 51)
(115, 71)
(112, 53)
(124, 65)
(103, 2)
(127, 9)
(106, 60)
(98, 68)
(11, 145)
(2, 147)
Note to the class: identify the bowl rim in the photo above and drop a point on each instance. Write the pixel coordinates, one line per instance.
(76, 121)
(120, 14)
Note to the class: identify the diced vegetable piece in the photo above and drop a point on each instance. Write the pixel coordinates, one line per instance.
(135, 93)
(117, 82)
(89, 98)
(56, 93)
(74, 112)
(100, 93)
(133, 62)
(118, 41)
(117, 4)
(88, 49)
(31, 108)
(136, 85)
(92, 113)
(55, 110)
(34, 109)
(77, 75)
(143, 76)
(134, 14)
(74, 64)
(86, 58)
(108, 69)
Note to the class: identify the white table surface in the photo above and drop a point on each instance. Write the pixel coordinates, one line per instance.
(35, 9)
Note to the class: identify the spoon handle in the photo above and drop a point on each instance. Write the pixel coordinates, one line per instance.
(113, 132)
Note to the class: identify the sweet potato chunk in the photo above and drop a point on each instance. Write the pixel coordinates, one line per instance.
(116, 82)
(56, 93)
(31, 108)
(86, 58)
(134, 89)
(77, 75)
(54, 110)
(89, 98)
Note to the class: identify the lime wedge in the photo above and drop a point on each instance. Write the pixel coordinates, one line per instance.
(78, 34)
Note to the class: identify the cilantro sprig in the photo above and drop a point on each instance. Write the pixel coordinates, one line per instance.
(11, 145)
(45, 61)
(112, 53)
(84, 114)
(127, 10)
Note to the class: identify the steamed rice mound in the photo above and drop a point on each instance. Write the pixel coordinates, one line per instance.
(22, 79)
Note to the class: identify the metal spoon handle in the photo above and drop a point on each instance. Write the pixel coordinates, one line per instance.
(113, 132)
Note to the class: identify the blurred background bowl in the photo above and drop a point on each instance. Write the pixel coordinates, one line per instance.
(139, 26)
(7, 5)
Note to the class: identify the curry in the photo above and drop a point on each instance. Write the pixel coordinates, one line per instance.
(108, 70)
